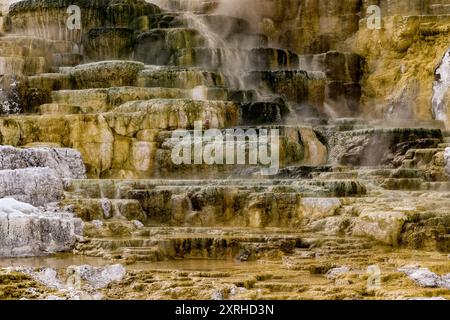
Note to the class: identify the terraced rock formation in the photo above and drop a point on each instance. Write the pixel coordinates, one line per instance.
(354, 190)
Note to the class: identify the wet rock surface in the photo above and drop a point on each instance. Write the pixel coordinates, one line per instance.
(354, 201)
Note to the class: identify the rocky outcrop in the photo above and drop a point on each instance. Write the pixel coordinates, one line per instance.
(78, 282)
(348, 190)
(401, 60)
(37, 186)
(66, 162)
(48, 19)
(105, 74)
(447, 161)
(98, 277)
(305, 26)
(29, 231)
(378, 146)
(34, 175)
(385, 227)
(425, 278)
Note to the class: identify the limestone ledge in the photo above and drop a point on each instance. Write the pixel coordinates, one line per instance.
(128, 141)
(66, 162)
(27, 16)
(29, 231)
(37, 186)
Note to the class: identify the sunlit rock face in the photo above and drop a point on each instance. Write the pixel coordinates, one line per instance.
(129, 142)
(402, 60)
(29, 231)
(382, 226)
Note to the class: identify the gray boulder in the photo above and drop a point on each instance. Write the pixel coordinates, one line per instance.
(28, 231)
(425, 278)
(68, 163)
(36, 186)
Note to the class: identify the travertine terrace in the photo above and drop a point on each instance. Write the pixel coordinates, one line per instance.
(87, 117)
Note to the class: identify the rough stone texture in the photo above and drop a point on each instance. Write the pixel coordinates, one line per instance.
(77, 282)
(37, 186)
(105, 74)
(306, 26)
(400, 59)
(127, 141)
(27, 55)
(316, 208)
(384, 186)
(385, 227)
(400, 65)
(108, 43)
(66, 162)
(425, 278)
(99, 277)
(378, 146)
(28, 231)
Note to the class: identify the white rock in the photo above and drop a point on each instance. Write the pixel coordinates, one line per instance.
(48, 277)
(12, 206)
(217, 295)
(97, 223)
(336, 272)
(53, 297)
(425, 278)
(29, 231)
(99, 277)
(330, 225)
(237, 290)
(37, 186)
(306, 254)
(138, 224)
(447, 161)
(106, 207)
(445, 281)
(68, 163)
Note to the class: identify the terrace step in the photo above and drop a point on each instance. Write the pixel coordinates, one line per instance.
(157, 244)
